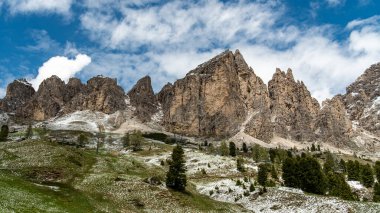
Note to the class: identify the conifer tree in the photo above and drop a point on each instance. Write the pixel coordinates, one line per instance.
(4, 133)
(176, 176)
(342, 165)
(353, 170)
(272, 154)
(232, 149)
(311, 176)
(125, 140)
(329, 165)
(338, 186)
(262, 174)
(245, 148)
(239, 164)
(256, 152)
(273, 172)
(224, 149)
(377, 170)
(313, 149)
(366, 175)
(376, 193)
(289, 171)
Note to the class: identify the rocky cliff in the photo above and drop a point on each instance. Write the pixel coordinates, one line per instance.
(362, 100)
(293, 110)
(142, 97)
(100, 94)
(54, 97)
(18, 93)
(216, 99)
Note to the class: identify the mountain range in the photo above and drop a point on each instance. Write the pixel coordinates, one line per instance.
(219, 99)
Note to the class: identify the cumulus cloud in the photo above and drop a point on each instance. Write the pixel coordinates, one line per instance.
(167, 40)
(38, 6)
(62, 67)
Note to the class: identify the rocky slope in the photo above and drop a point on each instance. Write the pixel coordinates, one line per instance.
(218, 98)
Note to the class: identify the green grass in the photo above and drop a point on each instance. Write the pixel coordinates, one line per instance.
(20, 195)
(38, 176)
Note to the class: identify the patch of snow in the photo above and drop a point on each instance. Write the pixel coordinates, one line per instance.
(87, 120)
(22, 81)
(355, 185)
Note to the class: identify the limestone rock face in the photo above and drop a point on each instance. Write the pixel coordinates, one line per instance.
(215, 99)
(333, 123)
(46, 102)
(362, 100)
(54, 97)
(18, 93)
(73, 87)
(142, 97)
(100, 94)
(293, 110)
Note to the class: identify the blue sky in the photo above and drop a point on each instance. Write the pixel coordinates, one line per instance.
(327, 43)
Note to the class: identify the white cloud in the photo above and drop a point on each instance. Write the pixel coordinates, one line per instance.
(38, 6)
(168, 40)
(334, 3)
(62, 67)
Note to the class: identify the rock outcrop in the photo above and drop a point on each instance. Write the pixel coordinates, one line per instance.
(362, 100)
(142, 97)
(293, 110)
(54, 97)
(18, 93)
(100, 94)
(46, 102)
(215, 99)
(333, 123)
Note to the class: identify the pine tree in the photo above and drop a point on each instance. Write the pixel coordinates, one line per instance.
(342, 165)
(377, 170)
(289, 171)
(176, 176)
(262, 174)
(232, 149)
(353, 170)
(251, 187)
(272, 154)
(311, 176)
(224, 149)
(245, 148)
(329, 165)
(313, 149)
(125, 140)
(136, 140)
(256, 153)
(338, 186)
(29, 132)
(4, 133)
(239, 164)
(376, 193)
(366, 175)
